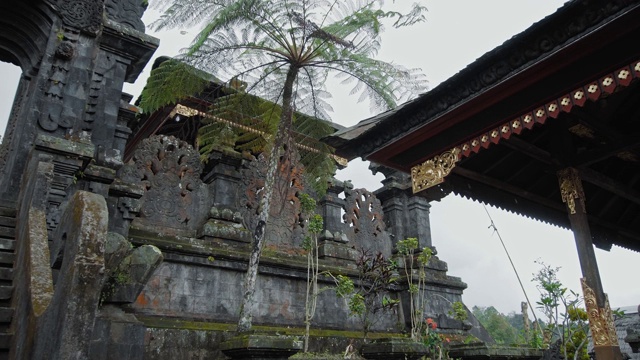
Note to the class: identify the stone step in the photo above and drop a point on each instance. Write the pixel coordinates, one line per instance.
(7, 211)
(7, 244)
(7, 221)
(6, 274)
(6, 314)
(7, 232)
(5, 340)
(5, 292)
(7, 258)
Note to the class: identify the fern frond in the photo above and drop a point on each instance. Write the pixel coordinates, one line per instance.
(171, 81)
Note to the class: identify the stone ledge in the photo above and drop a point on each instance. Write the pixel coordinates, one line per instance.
(392, 349)
(261, 346)
(467, 352)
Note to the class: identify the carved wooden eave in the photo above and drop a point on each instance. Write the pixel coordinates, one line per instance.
(592, 35)
(433, 171)
(563, 93)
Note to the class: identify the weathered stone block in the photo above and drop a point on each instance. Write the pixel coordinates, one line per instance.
(64, 332)
(132, 274)
(394, 349)
(260, 346)
(330, 249)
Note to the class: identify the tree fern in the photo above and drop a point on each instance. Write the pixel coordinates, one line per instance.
(285, 50)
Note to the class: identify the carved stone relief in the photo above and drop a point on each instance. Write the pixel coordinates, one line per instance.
(126, 12)
(85, 15)
(55, 113)
(175, 197)
(364, 218)
(284, 216)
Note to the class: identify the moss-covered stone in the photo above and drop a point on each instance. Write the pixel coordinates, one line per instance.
(394, 348)
(254, 346)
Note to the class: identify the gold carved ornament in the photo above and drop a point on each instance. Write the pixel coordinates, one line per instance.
(571, 188)
(189, 112)
(600, 319)
(432, 172)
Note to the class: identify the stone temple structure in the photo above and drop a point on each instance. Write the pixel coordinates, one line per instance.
(102, 259)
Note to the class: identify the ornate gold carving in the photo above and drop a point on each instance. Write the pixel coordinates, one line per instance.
(571, 188)
(185, 111)
(600, 319)
(432, 172)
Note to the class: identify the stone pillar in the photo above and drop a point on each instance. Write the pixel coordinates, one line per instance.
(405, 215)
(222, 173)
(333, 239)
(331, 207)
(418, 225)
(603, 331)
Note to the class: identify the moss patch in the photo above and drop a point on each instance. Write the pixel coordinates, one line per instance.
(169, 323)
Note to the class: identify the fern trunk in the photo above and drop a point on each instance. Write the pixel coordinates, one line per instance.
(248, 303)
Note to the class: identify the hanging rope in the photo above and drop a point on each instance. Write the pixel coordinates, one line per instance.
(495, 230)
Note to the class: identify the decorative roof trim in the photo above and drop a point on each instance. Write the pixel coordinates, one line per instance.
(571, 23)
(432, 172)
(592, 90)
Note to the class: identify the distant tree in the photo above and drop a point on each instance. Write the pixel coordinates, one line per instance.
(498, 325)
(284, 50)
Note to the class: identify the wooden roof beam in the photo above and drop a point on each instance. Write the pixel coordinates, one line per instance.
(613, 228)
(611, 185)
(530, 150)
(506, 187)
(617, 146)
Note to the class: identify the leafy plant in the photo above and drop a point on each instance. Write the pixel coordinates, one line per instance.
(436, 343)
(415, 273)
(314, 224)
(284, 50)
(369, 296)
(567, 322)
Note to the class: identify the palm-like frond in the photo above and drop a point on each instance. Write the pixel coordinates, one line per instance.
(171, 81)
(285, 50)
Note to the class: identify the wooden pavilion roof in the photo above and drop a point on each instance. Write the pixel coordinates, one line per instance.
(564, 93)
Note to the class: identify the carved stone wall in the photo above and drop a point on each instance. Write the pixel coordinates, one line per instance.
(364, 218)
(69, 111)
(127, 12)
(175, 198)
(284, 220)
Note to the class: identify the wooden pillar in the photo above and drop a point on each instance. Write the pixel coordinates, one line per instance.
(603, 331)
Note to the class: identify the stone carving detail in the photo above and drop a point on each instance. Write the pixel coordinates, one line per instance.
(65, 50)
(432, 172)
(363, 212)
(603, 331)
(170, 171)
(571, 189)
(53, 115)
(364, 218)
(129, 207)
(85, 15)
(285, 206)
(55, 112)
(126, 12)
(97, 82)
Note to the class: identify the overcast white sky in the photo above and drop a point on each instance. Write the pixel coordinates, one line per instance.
(455, 34)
